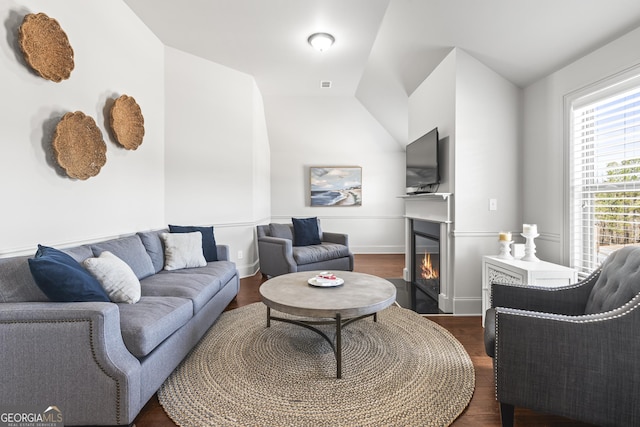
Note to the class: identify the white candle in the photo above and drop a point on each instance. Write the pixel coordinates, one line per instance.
(505, 236)
(529, 229)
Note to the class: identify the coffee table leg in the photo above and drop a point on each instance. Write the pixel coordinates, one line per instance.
(338, 345)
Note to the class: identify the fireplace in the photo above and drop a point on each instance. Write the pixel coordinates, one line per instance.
(429, 216)
(425, 256)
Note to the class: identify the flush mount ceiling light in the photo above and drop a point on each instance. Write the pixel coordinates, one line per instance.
(321, 41)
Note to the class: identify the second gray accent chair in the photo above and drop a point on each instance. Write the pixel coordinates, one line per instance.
(571, 351)
(278, 254)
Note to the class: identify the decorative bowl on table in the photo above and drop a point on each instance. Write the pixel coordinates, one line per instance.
(325, 280)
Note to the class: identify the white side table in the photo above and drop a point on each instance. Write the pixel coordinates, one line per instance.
(515, 271)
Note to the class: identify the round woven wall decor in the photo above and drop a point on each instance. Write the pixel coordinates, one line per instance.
(127, 122)
(46, 47)
(78, 146)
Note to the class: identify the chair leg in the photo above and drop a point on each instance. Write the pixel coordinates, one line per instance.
(506, 414)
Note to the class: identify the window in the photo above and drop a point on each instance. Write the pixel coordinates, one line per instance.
(604, 170)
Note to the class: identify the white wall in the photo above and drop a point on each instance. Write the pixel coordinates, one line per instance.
(433, 104)
(477, 113)
(261, 173)
(487, 154)
(114, 54)
(217, 153)
(487, 149)
(204, 159)
(543, 145)
(337, 131)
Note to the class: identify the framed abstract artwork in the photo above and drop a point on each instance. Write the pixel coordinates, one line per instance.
(336, 185)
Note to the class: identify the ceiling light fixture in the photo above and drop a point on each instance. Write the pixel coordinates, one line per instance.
(321, 41)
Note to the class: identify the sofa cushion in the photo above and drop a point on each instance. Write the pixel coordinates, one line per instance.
(209, 249)
(183, 250)
(281, 231)
(199, 288)
(115, 276)
(618, 282)
(154, 246)
(17, 283)
(79, 253)
(305, 231)
(318, 253)
(222, 270)
(129, 249)
(62, 278)
(152, 320)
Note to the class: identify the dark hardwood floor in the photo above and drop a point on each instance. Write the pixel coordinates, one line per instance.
(483, 408)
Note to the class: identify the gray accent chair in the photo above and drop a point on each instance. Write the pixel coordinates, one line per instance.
(572, 351)
(279, 256)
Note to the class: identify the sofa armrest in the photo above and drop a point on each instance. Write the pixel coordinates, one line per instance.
(569, 300)
(339, 238)
(276, 256)
(582, 367)
(223, 252)
(70, 355)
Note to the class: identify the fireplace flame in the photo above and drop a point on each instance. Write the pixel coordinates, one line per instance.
(428, 272)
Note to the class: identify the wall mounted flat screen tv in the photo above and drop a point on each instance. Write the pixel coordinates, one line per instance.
(423, 171)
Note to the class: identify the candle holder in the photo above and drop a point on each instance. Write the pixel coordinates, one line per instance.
(530, 247)
(505, 249)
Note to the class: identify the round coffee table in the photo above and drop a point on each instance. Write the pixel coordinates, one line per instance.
(361, 295)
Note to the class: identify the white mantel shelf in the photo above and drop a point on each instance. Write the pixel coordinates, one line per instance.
(434, 207)
(444, 196)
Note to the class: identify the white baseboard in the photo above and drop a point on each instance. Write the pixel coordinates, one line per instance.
(391, 249)
(248, 270)
(467, 306)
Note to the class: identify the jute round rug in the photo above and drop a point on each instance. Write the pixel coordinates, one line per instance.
(403, 370)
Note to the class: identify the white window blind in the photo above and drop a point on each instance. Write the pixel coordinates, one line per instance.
(604, 179)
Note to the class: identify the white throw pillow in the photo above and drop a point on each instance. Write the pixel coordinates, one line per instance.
(183, 250)
(116, 277)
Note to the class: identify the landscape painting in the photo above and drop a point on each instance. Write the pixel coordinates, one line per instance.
(336, 186)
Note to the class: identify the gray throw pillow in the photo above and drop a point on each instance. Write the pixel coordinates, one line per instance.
(131, 250)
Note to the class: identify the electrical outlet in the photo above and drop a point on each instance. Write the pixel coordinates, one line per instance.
(240, 255)
(493, 204)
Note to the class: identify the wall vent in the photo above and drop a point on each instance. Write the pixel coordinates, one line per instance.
(325, 84)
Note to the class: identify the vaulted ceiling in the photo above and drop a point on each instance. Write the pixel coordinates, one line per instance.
(384, 48)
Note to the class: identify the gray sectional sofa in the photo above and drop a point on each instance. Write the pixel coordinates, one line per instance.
(100, 362)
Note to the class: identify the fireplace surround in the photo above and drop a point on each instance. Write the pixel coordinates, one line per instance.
(428, 224)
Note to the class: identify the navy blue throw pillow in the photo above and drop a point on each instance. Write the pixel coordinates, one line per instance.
(209, 249)
(63, 279)
(305, 231)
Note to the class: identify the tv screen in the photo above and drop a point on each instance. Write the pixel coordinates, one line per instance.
(422, 163)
